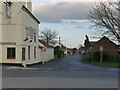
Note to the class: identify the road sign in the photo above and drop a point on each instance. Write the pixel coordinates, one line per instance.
(43, 49)
(101, 48)
(101, 54)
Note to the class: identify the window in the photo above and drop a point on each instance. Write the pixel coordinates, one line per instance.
(34, 37)
(23, 53)
(8, 9)
(31, 32)
(28, 52)
(34, 52)
(11, 53)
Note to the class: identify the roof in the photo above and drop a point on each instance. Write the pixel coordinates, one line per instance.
(107, 39)
(27, 11)
(40, 46)
(92, 42)
(45, 44)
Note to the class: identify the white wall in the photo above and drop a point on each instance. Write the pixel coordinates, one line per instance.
(27, 22)
(46, 56)
(14, 30)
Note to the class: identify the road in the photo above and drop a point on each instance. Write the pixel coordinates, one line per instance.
(67, 72)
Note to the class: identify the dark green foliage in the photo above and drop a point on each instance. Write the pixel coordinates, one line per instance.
(68, 51)
(58, 52)
(96, 56)
(74, 50)
(113, 58)
(57, 47)
(86, 43)
(106, 57)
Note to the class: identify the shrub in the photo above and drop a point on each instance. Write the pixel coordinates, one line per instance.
(106, 57)
(114, 58)
(58, 52)
(96, 56)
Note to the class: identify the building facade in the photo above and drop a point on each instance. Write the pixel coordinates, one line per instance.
(19, 34)
(108, 46)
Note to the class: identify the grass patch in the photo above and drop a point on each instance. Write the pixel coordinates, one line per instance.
(84, 58)
(104, 63)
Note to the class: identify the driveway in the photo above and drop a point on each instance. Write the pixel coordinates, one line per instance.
(67, 72)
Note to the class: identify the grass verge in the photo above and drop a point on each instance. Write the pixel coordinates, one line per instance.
(105, 63)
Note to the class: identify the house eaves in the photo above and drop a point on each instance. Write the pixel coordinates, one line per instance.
(28, 12)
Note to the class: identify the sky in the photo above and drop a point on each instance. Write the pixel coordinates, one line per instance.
(69, 19)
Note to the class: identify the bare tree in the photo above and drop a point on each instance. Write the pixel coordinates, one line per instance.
(49, 36)
(106, 15)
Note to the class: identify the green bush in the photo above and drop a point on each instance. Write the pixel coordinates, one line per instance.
(114, 58)
(96, 56)
(58, 52)
(106, 57)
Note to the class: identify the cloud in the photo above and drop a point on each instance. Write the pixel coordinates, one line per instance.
(79, 27)
(53, 21)
(82, 0)
(80, 21)
(56, 11)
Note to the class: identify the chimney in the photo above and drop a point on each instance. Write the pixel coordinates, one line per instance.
(29, 5)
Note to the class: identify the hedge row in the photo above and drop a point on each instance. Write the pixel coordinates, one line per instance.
(58, 52)
(106, 57)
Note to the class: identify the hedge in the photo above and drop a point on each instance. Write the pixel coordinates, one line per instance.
(106, 57)
(58, 52)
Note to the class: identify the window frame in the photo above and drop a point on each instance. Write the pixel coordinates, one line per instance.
(35, 52)
(24, 54)
(11, 52)
(29, 52)
(34, 36)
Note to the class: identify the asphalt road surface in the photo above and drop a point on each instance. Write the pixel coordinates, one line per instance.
(67, 72)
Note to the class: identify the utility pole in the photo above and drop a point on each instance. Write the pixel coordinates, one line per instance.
(59, 41)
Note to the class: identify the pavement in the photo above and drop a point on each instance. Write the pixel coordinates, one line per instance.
(67, 72)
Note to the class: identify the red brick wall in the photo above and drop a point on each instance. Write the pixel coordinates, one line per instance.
(108, 46)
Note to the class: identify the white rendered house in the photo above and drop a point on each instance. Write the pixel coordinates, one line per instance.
(19, 34)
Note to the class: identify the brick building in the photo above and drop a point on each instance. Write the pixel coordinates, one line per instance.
(108, 46)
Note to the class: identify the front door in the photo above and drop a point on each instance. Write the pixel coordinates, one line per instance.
(23, 53)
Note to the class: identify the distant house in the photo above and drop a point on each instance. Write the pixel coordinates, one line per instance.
(49, 51)
(108, 46)
(69, 51)
(80, 50)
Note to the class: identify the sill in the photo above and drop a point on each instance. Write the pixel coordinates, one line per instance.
(11, 58)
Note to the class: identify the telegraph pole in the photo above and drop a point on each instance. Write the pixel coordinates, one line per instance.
(59, 41)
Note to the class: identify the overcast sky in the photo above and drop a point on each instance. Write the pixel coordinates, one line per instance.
(69, 19)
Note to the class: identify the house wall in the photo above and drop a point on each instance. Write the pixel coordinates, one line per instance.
(28, 22)
(46, 56)
(108, 46)
(14, 31)
(11, 33)
(0, 30)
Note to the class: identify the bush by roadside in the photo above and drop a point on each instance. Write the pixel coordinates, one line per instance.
(106, 57)
(59, 53)
(104, 63)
